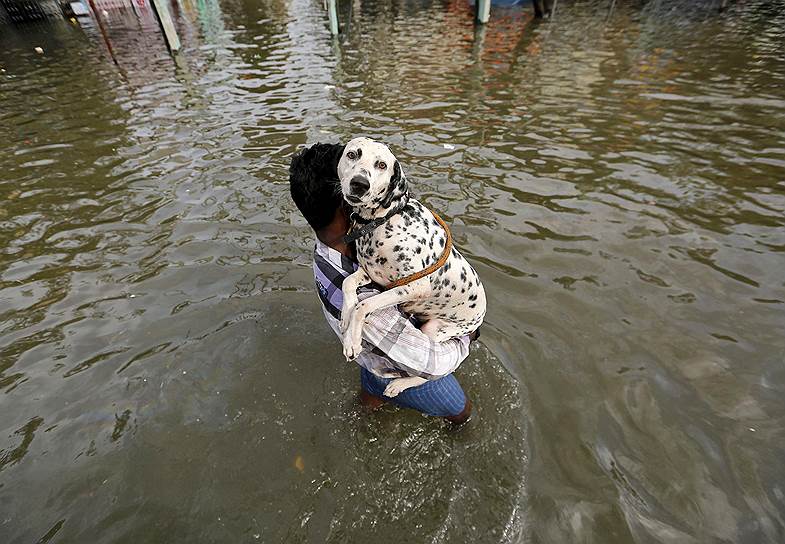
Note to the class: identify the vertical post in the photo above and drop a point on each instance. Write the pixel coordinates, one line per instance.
(170, 33)
(542, 8)
(483, 11)
(538, 11)
(333, 14)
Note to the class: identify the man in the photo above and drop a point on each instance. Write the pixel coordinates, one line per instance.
(394, 346)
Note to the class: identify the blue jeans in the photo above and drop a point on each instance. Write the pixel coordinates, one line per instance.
(443, 397)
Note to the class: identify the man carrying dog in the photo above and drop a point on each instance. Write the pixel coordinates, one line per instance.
(394, 346)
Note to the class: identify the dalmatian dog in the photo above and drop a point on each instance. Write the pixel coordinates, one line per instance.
(398, 237)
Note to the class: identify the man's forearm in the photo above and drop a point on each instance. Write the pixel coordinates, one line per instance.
(405, 347)
(410, 349)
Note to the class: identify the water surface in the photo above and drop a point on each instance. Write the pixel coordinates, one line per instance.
(616, 176)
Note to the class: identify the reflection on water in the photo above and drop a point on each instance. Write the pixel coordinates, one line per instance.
(616, 176)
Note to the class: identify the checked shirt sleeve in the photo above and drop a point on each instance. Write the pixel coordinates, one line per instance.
(409, 348)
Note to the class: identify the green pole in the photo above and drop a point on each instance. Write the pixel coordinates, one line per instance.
(333, 13)
(483, 12)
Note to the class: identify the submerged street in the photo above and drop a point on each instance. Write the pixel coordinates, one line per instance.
(616, 176)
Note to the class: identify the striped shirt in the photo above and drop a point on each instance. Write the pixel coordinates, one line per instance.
(393, 345)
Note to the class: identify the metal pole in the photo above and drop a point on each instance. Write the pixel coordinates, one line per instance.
(103, 32)
(539, 10)
(333, 14)
(543, 8)
(483, 11)
(170, 33)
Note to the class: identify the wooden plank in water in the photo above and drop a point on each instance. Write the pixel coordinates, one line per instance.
(170, 33)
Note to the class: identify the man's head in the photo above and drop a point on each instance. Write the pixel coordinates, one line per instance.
(370, 175)
(313, 182)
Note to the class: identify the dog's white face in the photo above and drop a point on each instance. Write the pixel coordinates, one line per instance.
(365, 170)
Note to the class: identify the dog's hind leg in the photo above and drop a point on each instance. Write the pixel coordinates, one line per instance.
(399, 385)
(349, 289)
(352, 338)
(440, 331)
(434, 329)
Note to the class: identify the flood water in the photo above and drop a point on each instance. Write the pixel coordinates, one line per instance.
(617, 177)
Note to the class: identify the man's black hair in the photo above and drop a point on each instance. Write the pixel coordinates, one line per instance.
(314, 184)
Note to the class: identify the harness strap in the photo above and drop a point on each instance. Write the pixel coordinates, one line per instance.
(434, 267)
(369, 226)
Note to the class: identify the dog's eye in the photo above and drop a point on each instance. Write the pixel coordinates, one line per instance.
(381, 165)
(351, 155)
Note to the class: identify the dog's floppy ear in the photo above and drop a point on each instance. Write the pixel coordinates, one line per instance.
(397, 186)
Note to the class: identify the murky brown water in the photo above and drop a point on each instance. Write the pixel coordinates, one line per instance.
(617, 178)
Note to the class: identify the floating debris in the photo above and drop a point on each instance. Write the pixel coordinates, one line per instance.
(39, 50)
(299, 464)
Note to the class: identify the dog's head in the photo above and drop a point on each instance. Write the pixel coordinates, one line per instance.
(370, 175)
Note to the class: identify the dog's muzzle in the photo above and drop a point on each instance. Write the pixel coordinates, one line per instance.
(359, 185)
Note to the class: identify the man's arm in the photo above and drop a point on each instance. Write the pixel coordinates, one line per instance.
(408, 347)
(410, 351)
(393, 339)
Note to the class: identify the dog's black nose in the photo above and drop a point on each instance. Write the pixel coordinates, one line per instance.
(359, 185)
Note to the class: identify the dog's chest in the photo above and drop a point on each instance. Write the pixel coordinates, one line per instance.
(407, 243)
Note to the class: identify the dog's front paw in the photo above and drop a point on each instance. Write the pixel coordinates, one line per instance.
(351, 347)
